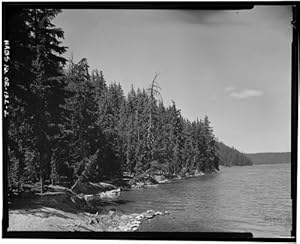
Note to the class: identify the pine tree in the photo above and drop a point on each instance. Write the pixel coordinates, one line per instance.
(153, 91)
(86, 134)
(38, 81)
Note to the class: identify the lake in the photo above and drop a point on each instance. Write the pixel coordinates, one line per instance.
(238, 199)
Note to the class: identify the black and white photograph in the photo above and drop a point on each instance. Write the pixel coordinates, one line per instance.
(147, 118)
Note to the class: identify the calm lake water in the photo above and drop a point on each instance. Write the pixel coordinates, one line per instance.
(239, 199)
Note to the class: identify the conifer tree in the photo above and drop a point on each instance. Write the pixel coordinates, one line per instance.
(66, 125)
(42, 90)
(86, 134)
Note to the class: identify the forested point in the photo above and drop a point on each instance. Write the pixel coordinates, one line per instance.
(229, 156)
(270, 158)
(67, 124)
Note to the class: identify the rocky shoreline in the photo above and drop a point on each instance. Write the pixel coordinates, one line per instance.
(52, 219)
(148, 180)
(77, 209)
(130, 222)
(63, 209)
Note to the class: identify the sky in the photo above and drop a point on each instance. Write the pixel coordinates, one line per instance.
(233, 66)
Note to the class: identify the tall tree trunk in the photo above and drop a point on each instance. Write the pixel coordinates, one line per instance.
(53, 174)
(44, 157)
(42, 179)
(42, 163)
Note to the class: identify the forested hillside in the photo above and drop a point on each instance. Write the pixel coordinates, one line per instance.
(229, 156)
(66, 123)
(270, 158)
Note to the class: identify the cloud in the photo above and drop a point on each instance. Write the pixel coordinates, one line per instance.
(246, 93)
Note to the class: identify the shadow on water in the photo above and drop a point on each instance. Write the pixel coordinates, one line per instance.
(110, 203)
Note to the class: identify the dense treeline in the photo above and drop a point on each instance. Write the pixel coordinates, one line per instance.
(229, 156)
(270, 158)
(67, 124)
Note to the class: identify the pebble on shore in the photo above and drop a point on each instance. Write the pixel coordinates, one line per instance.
(114, 222)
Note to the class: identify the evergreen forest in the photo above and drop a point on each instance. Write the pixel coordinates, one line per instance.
(67, 123)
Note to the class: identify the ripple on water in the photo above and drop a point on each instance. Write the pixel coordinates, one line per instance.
(253, 199)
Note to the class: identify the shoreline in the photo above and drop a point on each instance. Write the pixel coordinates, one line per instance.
(166, 180)
(59, 212)
(52, 219)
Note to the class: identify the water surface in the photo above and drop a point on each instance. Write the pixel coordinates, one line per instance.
(239, 199)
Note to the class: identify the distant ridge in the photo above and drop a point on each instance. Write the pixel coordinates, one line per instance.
(270, 157)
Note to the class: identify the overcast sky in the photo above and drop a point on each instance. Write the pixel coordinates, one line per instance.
(233, 66)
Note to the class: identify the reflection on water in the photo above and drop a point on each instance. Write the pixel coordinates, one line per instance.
(239, 199)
